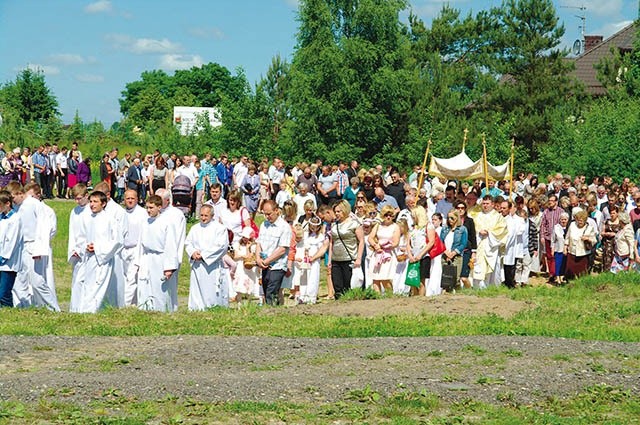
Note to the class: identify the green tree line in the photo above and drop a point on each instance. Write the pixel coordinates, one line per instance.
(367, 83)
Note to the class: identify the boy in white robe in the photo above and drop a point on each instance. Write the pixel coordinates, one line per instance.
(117, 212)
(136, 218)
(103, 244)
(158, 272)
(206, 245)
(77, 244)
(34, 190)
(10, 248)
(30, 287)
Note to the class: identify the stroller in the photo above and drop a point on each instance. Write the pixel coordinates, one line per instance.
(182, 193)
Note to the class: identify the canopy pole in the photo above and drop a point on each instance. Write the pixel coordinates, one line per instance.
(424, 164)
(513, 145)
(464, 139)
(486, 168)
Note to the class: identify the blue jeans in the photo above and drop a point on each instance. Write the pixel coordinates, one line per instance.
(6, 285)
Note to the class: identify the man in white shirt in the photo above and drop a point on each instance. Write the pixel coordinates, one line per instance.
(240, 170)
(186, 170)
(271, 250)
(302, 197)
(63, 168)
(218, 203)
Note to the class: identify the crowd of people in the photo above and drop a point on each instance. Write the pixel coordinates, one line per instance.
(376, 228)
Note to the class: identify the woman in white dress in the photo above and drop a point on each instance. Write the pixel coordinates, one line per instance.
(384, 239)
(235, 217)
(402, 260)
(435, 274)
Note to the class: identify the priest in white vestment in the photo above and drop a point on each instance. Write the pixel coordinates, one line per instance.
(491, 231)
(206, 245)
(158, 272)
(104, 241)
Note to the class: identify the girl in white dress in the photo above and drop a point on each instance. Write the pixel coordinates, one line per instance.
(435, 274)
(402, 260)
(245, 280)
(307, 265)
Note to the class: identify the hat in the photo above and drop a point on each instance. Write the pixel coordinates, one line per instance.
(247, 232)
(16, 150)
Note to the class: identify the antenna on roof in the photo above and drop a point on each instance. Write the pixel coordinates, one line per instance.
(579, 45)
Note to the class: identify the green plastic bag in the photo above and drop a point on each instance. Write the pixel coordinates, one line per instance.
(413, 275)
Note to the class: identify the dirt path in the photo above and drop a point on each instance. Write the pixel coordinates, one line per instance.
(525, 369)
(486, 368)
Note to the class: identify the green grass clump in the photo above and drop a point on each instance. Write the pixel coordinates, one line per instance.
(597, 404)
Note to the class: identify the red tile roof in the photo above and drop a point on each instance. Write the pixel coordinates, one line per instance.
(585, 69)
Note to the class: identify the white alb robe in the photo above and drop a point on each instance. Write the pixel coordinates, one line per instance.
(136, 219)
(158, 253)
(487, 254)
(76, 250)
(118, 213)
(99, 287)
(210, 280)
(31, 287)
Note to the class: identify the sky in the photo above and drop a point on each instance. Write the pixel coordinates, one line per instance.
(89, 50)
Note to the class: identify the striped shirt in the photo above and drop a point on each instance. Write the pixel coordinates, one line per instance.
(549, 219)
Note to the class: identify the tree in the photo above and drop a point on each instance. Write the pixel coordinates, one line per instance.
(620, 73)
(76, 130)
(132, 92)
(454, 79)
(352, 79)
(150, 108)
(29, 97)
(274, 89)
(149, 101)
(534, 73)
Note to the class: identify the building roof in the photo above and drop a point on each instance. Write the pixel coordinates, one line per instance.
(585, 64)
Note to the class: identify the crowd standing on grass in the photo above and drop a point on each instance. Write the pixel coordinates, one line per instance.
(376, 228)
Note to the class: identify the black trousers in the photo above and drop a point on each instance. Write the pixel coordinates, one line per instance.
(62, 183)
(341, 276)
(271, 283)
(510, 275)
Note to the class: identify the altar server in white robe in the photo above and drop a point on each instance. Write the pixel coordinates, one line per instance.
(34, 190)
(117, 212)
(103, 244)
(77, 244)
(10, 248)
(30, 287)
(136, 219)
(206, 245)
(177, 220)
(158, 273)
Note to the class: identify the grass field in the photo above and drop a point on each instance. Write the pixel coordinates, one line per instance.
(604, 307)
